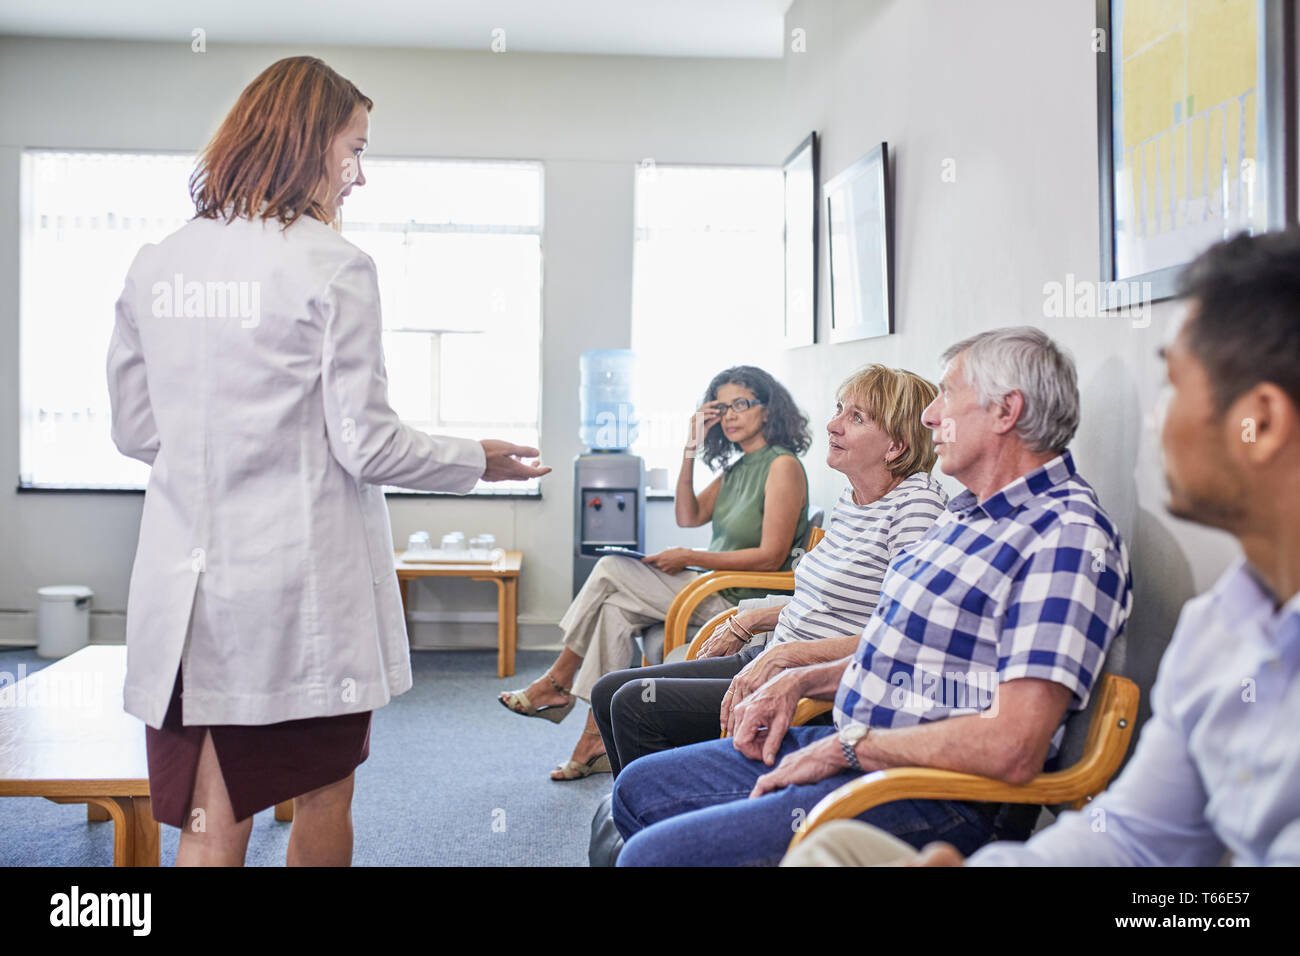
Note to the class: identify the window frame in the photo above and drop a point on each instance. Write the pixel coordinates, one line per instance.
(669, 494)
(27, 172)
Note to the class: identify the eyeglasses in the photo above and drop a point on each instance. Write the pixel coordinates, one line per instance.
(738, 406)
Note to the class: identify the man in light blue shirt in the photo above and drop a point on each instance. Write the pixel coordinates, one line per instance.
(1217, 767)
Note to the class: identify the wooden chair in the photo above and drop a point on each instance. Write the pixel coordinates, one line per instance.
(807, 708)
(1100, 734)
(1106, 726)
(691, 596)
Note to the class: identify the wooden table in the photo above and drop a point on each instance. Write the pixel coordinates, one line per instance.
(504, 573)
(65, 737)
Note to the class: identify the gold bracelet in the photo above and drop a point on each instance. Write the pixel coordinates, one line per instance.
(745, 632)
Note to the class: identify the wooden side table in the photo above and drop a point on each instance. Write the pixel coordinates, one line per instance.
(65, 737)
(504, 573)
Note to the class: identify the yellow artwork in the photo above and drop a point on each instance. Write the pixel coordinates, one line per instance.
(1186, 108)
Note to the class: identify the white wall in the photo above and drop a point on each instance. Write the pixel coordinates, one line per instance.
(589, 118)
(1006, 89)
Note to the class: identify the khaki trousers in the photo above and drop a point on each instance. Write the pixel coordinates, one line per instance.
(621, 597)
(849, 843)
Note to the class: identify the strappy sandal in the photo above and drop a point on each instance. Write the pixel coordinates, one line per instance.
(517, 702)
(572, 770)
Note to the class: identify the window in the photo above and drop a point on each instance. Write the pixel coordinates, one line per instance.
(707, 290)
(458, 247)
(82, 219)
(458, 250)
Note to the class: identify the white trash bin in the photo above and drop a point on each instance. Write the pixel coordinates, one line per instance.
(62, 619)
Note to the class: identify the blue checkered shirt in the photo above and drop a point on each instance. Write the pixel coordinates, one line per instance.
(1032, 582)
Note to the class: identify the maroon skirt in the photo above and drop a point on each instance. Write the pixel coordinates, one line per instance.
(262, 764)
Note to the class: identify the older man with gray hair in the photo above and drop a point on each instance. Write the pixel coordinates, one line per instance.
(989, 629)
(1217, 768)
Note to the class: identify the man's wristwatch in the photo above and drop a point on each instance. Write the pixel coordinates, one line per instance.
(849, 739)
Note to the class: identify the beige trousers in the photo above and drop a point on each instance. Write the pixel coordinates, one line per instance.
(621, 597)
(849, 843)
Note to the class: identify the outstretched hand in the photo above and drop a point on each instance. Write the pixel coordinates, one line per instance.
(504, 461)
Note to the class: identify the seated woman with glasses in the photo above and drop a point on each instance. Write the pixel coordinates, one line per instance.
(749, 429)
(877, 441)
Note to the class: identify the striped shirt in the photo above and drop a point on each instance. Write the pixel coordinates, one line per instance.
(837, 583)
(1033, 582)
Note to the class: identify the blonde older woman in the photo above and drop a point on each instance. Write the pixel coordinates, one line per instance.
(877, 441)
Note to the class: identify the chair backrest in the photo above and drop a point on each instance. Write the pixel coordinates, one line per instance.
(1119, 662)
(814, 536)
(1077, 724)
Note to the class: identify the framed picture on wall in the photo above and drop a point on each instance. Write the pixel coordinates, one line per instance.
(1194, 142)
(801, 222)
(860, 227)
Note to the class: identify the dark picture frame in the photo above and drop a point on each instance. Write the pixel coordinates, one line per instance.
(860, 243)
(801, 173)
(1127, 286)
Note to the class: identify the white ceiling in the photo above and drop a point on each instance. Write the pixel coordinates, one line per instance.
(723, 28)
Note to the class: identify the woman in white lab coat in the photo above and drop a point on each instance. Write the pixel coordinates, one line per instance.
(264, 621)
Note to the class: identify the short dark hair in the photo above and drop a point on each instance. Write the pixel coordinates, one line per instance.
(1247, 327)
(786, 426)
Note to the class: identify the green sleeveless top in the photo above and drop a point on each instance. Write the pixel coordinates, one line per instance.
(738, 512)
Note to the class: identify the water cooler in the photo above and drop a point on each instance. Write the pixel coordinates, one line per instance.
(608, 481)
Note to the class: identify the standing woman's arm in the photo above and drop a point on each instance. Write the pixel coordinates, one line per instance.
(364, 433)
(133, 429)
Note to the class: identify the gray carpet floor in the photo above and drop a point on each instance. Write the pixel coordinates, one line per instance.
(453, 779)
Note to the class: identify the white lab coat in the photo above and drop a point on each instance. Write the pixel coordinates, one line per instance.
(265, 558)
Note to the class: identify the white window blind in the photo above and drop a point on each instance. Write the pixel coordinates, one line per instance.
(458, 250)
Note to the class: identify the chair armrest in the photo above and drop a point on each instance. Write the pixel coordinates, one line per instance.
(703, 633)
(690, 597)
(1109, 734)
(807, 709)
(919, 783)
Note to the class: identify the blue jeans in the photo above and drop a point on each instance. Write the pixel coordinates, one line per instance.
(691, 807)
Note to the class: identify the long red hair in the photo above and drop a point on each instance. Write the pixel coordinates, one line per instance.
(271, 152)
